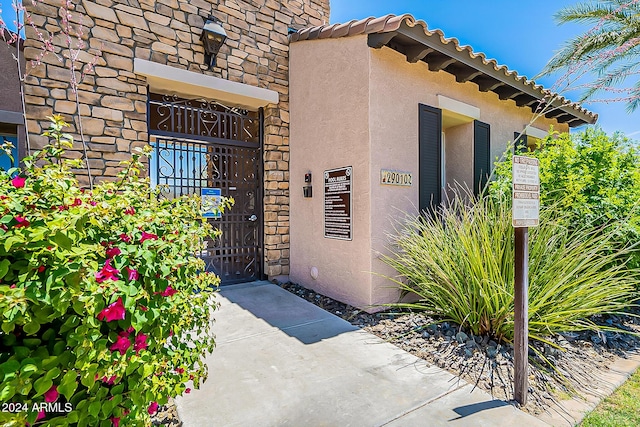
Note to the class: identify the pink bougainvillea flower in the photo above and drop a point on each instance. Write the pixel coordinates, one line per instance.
(127, 332)
(122, 344)
(130, 210)
(63, 208)
(40, 416)
(180, 370)
(187, 390)
(133, 273)
(51, 395)
(143, 308)
(41, 269)
(13, 286)
(153, 408)
(147, 236)
(114, 311)
(21, 222)
(77, 202)
(115, 421)
(168, 292)
(141, 343)
(108, 272)
(111, 252)
(18, 181)
(93, 203)
(108, 381)
(125, 238)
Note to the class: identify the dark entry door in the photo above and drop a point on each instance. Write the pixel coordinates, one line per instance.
(204, 144)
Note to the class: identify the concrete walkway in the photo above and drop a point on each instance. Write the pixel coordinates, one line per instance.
(281, 361)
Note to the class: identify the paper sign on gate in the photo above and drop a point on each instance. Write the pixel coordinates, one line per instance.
(211, 198)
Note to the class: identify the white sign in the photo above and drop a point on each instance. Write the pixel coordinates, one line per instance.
(391, 177)
(526, 191)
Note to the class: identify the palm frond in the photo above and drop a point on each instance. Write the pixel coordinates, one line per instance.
(613, 41)
(581, 48)
(590, 13)
(634, 101)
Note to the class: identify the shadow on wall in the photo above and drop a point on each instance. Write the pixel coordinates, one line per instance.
(291, 314)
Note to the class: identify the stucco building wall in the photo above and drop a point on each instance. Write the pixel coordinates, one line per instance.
(330, 122)
(113, 98)
(459, 159)
(329, 78)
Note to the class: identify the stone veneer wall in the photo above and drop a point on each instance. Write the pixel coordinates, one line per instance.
(113, 99)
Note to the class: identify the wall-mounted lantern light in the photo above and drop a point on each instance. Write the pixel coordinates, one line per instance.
(213, 36)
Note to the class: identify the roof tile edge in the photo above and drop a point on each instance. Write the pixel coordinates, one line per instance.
(390, 23)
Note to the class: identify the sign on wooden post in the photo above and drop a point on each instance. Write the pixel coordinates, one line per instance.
(526, 191)
(526, 213)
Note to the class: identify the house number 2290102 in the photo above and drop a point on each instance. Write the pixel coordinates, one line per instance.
(391, 177)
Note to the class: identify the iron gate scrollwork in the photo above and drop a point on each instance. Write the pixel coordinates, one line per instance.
(203, 144)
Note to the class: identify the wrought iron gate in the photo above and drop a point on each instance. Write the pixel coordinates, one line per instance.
(204, 144)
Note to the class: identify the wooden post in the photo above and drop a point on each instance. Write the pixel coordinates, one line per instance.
(521, 316)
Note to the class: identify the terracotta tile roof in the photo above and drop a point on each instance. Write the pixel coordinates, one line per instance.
(524, 91)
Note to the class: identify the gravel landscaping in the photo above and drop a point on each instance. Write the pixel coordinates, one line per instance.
(488, 365)
(167, 415)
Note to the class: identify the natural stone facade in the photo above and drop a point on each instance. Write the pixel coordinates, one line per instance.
(113, 99)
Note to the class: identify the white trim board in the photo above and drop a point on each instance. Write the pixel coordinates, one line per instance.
(461, 108)
(535, 132)
(170, 80)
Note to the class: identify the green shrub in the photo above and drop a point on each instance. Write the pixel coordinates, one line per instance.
(594, 179)
(460, 267)
(105, 307)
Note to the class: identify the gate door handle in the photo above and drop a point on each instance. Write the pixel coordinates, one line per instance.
(253, 218)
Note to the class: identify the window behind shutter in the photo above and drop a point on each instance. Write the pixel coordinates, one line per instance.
(521, 144)
(429, 157)
(481, 145)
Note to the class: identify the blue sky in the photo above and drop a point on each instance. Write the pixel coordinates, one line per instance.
(520, 34)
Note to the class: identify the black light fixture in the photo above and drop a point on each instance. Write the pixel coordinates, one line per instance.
(213, 36)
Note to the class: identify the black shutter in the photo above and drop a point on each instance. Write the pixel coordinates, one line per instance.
(429, 157)
(521, 144)
(481, 150)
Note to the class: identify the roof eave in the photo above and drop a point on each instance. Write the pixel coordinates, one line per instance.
(441, 54)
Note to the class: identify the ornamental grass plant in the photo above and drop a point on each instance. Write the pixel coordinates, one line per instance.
(459, 266)
(105, 307)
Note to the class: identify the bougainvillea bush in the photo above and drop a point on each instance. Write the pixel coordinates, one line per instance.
(106, 310)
